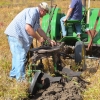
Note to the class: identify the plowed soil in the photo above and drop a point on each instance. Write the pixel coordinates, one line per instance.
(71, 90)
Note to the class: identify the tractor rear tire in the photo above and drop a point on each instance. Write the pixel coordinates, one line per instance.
(80, 54)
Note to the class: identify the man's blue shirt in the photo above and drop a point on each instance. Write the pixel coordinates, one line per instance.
(17, 27)
(77, 9)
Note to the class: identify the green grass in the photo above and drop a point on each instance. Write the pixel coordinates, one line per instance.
(9, 89)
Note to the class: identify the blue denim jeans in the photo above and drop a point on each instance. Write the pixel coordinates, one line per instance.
(19, 54)
(63, 28)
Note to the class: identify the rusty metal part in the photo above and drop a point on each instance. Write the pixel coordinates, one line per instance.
(43, 52)
(92, 33)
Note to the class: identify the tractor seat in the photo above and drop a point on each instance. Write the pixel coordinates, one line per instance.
(70, 26)
(73, 21)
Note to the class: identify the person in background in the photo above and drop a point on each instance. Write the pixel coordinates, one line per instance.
(21, 32)
(74, 13)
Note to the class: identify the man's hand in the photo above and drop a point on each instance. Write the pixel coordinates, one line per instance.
(52, 42)
(64, 20)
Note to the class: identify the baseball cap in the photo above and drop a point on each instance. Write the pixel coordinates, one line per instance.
(45, 6)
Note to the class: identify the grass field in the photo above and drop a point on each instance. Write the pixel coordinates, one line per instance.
(10, 89)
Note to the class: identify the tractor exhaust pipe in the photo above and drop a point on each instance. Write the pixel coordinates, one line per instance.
(88, 13)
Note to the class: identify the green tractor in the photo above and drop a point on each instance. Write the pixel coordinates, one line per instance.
(69, 47)
(51, 25)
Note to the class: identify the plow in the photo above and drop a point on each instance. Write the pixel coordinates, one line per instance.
(68, 47)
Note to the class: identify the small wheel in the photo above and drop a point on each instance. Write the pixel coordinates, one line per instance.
(33, 87)
(38, 82)
(80, 54)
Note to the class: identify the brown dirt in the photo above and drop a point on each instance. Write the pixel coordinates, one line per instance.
(71, 90)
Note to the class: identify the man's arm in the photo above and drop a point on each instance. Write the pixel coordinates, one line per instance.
(32, 33)
(42, 33)
(68, 14)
